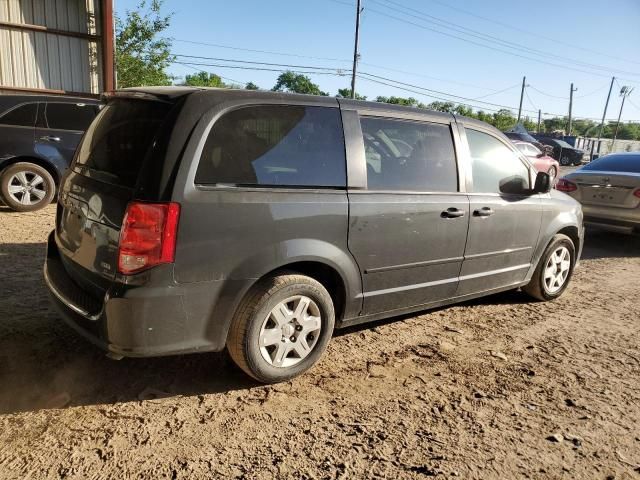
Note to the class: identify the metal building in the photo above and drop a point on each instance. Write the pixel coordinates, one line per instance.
(56, 46)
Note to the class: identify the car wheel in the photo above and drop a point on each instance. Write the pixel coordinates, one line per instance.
(282, 327)
(565, 161)
(553, 173)
(26, 187)
(554, 270)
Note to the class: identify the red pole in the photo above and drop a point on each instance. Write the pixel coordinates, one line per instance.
(108, 78)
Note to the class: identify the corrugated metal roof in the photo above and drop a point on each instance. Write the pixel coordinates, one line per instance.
(42, 60)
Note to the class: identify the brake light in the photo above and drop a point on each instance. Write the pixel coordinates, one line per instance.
(565, 185)
(148, 236)
(637, 193)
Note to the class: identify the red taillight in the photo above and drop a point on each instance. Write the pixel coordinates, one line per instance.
(148, 236)
(565, 185)
(637, 193)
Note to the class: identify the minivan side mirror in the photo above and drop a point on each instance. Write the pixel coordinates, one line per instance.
(543, 183)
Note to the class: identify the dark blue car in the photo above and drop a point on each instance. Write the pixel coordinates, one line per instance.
(38, 138)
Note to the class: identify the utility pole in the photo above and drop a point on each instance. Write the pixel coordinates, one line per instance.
(524, 79)
(571, 108)
(356, 55)
(539, 119)
(624, 93)
(604, 114)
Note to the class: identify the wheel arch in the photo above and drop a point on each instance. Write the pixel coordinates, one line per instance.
(47, 165)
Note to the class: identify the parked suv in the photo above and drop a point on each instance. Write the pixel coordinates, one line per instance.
(38, 137)
(197, 219)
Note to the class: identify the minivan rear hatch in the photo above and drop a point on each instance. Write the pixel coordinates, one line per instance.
(117, 151)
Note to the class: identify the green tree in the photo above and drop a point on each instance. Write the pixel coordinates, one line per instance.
(204, 79)
(346, 93)
(447, 107)
(142, 55)
(251, 86)
(297, 83)
(408, 102)
(503, 119)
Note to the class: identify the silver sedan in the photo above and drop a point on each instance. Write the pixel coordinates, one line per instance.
(609, 190)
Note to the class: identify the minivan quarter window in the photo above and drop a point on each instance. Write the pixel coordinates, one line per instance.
(21, 116)
(69, 116)
(495, 167)
(409, 156)
(275, 145)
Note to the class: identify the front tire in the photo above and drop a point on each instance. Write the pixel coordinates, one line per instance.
(553, 173)
(554, 270)
(281, 328)
(565, 161)
(26, 187)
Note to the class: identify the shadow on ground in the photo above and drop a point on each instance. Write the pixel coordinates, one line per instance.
(43, 364)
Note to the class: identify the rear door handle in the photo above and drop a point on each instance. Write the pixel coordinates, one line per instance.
(50, 139)
(483, 212)
(452, 213)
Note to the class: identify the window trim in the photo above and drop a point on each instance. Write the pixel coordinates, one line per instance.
(416, 118)
(46, 119)
(463, 127)
(15, 107)
(229, 107)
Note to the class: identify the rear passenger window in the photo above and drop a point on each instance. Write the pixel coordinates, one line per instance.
(496, 168)
(275, 146)
(70, 116)
(404, 155)
(22, 116)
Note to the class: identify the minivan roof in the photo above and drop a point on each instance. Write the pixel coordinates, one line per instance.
(175, 92)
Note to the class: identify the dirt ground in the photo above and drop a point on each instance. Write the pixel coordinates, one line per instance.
(496, 388)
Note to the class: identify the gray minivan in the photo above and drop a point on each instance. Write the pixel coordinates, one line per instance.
(197, 219)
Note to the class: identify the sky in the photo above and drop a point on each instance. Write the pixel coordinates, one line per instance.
(460, 50)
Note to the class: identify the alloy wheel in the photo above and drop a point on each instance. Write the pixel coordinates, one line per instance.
(290, 331)
(557, 270)
(27, 188)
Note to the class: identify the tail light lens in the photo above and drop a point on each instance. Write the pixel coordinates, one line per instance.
(148, 236)
(565, 185)
(637, 193)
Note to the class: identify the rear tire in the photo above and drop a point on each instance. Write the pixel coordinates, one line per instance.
(565, 161)
(26, 187)
(281, 328)
(553, 173)
(554, 270)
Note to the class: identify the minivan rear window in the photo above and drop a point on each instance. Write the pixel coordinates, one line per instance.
(118, 140)
(275, 145)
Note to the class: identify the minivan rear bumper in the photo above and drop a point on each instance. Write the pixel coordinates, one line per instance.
(130, 321)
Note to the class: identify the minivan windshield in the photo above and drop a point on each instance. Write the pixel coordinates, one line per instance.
(117, 142)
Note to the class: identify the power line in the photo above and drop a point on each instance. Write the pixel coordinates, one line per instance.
(270, 52)
(486, 37)
(602, 87)
(526, 94)
(371, 65)
(438, 92)
(422, 93)
(546, 94)
(538, 35)
(499, 91)
(240, 67)
(483, 45)
(254, 62)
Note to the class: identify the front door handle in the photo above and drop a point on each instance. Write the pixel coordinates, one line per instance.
(483, 212)
(452, 213)
(51, 139)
